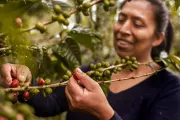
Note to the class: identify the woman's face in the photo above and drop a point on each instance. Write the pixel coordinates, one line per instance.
(134, 32)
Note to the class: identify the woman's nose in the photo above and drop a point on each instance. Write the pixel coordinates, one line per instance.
(125, 28)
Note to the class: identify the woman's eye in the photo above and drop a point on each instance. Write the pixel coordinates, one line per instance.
(138, 25)
(120, 20)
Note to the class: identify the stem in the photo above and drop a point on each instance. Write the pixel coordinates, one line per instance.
(71, 12)
(65, 83)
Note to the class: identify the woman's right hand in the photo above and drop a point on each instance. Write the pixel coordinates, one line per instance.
(19, 72)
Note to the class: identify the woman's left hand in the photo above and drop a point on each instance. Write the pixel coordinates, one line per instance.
(89, 98)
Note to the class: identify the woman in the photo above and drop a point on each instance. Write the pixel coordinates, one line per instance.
(143, 30)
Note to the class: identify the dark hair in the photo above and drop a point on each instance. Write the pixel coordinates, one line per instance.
(163, 24)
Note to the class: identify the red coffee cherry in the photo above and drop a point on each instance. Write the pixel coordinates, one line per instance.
(15, 83)
(26, 95)
(41, 81)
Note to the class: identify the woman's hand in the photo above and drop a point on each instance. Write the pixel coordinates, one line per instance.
(19, 72)
(89, 98)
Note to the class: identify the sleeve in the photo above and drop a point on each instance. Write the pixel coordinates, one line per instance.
(167, 105)
(116, 116)
(52, 105)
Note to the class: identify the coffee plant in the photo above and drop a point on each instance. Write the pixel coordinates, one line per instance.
(52, 63)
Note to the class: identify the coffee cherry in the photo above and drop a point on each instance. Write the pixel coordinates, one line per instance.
(86, 5)
(15, 83)
(92, 66)
(133, 58)
(129, 62)
(19, 22)
(54, 17)
(48, 90)
(117, 62)
(65, 77)
(39, 26)
(100, 70)
(47, 81)
(66, 14)
(66, 22)
(111, 3)
(13, 97)
(106, 64)
(26, 95)
(41, 81)
(123, 60)
(89, 73)
(126, 57)
(68, 73)
(98, 65)
(85, 12)
(57, 9)
(135, 66)
(60, 18)
(106, 3)
(25, 109)
(34, 91)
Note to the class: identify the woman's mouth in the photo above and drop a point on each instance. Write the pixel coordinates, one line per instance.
(123, 43)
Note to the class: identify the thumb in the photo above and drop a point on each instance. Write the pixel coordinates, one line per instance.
(85, 80)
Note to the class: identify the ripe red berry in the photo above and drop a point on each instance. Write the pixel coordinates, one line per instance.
(15, 83)
(26, 95)
(41, 81)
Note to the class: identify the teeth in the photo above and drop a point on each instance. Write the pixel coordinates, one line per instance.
(123, 42)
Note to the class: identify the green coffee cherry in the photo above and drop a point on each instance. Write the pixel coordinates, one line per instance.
(86, 5)
(65, 77)
(66, 22)
(68, 73)
(39, 26)
(48, 90)
(117, 62)
(25, 109)
(98, 65)
(107, 72)
(133, 58)
(54, 17)
(119, 69)
(111, 3)
(66, 14)
(60, 18)
(57, 9)
(47, 81)
(89, 73)
(34, 91)
(123, 61)
(129, 62)
(135, 66)
(106, 64)
(106, 3)
(126, 57)
(85, 12)
(100, 70)
(92, 66)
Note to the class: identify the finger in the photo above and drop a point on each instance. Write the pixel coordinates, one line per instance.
(73, 88)
(6, 73)
(87, 82)
(69, 98)
(22, 73)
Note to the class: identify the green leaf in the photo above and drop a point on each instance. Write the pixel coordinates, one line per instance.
(69, 50)
(175, 61)
(86, 37)
(177, 4)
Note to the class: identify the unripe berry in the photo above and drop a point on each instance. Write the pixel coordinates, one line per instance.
(12, 97)
(66, 14)
(85, 12)
(111, 3)
(48, 90)
(106, 3)
(133, 58)
(66, 22)
(47, 81)
(65, 77)
(19, 22)
(34, 91)
(39, 26)
(54, 17)
(98, 65)
(126, 57)
(86, 5)
(60, 18)
(68, 73)
(41, 81)
(57, 9)
(15, 83)
(129, 62)
(135, 66)
(26, 95)
(92, 66)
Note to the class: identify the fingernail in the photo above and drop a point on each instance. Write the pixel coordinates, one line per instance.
(79, 70)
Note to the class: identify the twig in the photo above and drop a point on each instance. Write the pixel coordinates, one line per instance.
(65, 83)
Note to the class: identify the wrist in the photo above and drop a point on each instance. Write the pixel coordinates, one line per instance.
(106, 113)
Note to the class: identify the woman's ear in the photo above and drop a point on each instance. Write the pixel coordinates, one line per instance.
(159, 39)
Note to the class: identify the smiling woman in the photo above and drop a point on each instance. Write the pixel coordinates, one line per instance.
(142, 27)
